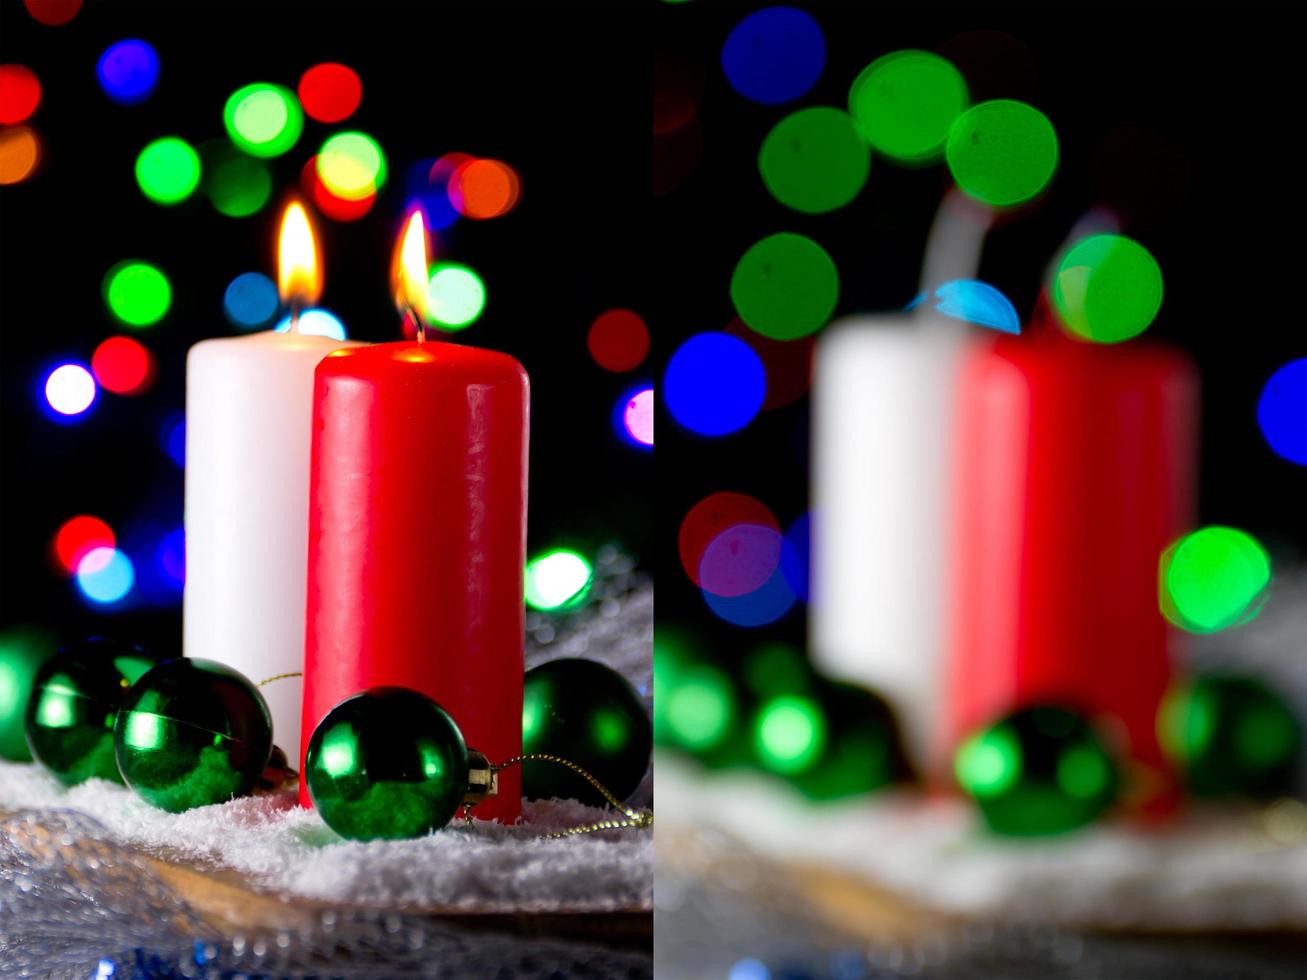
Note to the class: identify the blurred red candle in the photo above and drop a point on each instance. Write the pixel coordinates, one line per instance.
(417, 532)
(1075, 471)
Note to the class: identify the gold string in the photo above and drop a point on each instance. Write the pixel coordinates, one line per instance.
(634, 819)
(279, 677)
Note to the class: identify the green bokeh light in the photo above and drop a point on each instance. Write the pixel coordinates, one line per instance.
(457, 295)
(789, 734)
(700, 708)
(557, 580)
(1107, 288)
(238, 186)
(168, 170)
(1002, 152)
(1214, 578)
(137, 293)
(785, 286)
(905, 103)
(351, 166)
(988, 763)
(264, 120)
(814, 161)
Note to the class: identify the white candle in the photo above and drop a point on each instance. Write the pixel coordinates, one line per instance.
(249, 407)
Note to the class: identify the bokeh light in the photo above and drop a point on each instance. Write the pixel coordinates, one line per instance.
(1107, 288)
(123, 366)
(262, 119)
(168, 170)
(1002, 152)
(714, 384)
(1213, 578)
(20, 153)
(484, 188)
(974, 302)
(237, 184)
(128, 71)
(618, 340)
(330, 92)
(457, 295)
(774, 55)
(1282, 412)
(701, 708)
(785, 286)
(905, 103)
(316, 323)
(428, 182)
(760, 607)
(20, 93)
(105, 576)
(172, 438)
(336, 208)
(137, 293)
(250, 301)
(557, 580)
(633, 416)
(351, 166)
(170, 556)
(53, 13)
(712, 515)
(740, 560)
(76, 538)
(814, 161)
(70, 389)
(789, 733)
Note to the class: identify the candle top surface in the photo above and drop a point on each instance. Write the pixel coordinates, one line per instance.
(272, 340)
(433, 355)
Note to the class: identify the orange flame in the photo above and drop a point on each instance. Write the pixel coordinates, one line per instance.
(299, 277)
(409, 270)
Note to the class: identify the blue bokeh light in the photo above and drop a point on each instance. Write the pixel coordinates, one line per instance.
(171, 557)
(172, 437)
(250, 301)
(128, 71)
(714, 384)
(795, 560)
(1282, 412)
(105, 576)
(760, 607)
(774, 55)
(316, 323)
(431, 195)
(624, 417)
(975, 302)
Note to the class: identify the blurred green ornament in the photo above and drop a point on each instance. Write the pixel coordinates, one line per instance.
(74, 703)
(1039, 770)
(22, 652)
(1232, 736)
(588, 714)
(192, 733)
(387, 763)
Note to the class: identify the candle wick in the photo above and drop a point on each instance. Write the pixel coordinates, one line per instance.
(419, 327)
(294, 316)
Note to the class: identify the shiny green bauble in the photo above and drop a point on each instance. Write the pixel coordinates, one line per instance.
(22, 652)
(586, 713)
(74, 704)
(192, 733)
(1039, 770)
(1231, 736)
(386, 763)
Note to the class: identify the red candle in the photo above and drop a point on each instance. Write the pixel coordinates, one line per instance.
(417, 539)
(1075, 471)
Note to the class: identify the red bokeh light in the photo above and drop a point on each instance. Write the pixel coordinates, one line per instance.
(20, 93)
(123, 365)
(710, 517)
(618, 340)
(484, 188)
(327, 202)
(77, 538)
(53, 13)
(330, 92)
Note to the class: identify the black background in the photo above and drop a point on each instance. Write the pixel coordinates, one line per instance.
(559, 91)
(1226, 83)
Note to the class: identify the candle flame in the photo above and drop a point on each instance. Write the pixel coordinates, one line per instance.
(410, 270)
(299, 277)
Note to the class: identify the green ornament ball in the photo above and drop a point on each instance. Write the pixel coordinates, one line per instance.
(586, 713)
(386, 763)
(74, 703)
(192, 733)
(1232, 736)
(22, 652)
(1039, 770)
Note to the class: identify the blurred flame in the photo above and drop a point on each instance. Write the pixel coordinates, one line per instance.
(409, 270)
(299, 278)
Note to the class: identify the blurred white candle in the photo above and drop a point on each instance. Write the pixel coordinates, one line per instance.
(249, 406)
(883, 401)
